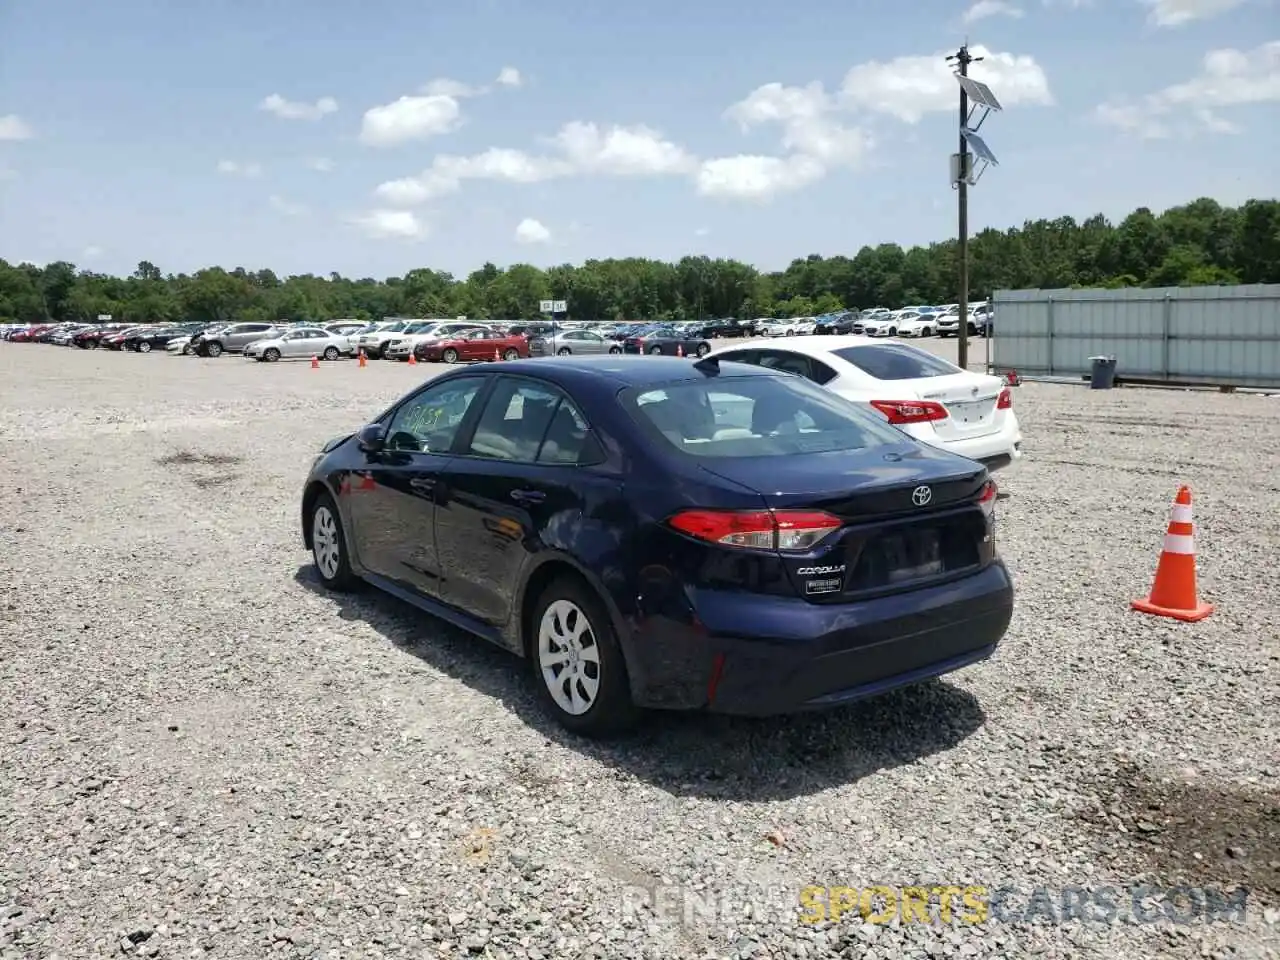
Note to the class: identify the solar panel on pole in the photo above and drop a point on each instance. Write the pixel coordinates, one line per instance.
(979, 147)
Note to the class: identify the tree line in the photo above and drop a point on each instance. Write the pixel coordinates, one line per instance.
(1200, 243)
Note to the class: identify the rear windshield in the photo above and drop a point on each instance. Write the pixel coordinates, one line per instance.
(755, 417)
(896, 361)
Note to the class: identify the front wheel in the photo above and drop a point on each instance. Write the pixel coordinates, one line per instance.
(563, 352)
(893, 331)
(271, 355)
(615, 350)
(703, 349)
(144, 347)
(213, 349)
(186, 349)
(578, 662)
(791, 333)
(331, 353)
(511, 354)
(451, 355)
(655, 351)
(329, 546)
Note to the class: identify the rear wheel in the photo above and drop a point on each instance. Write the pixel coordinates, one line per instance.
(563, 352)
(578, 661)
(703, 349)
(893, 331)
(331, 353)
(615, 349)
(791, 333)
(655, 351)
(213, 349)
(511, 353)
(144, 347)
(451, 355)
(271, 354)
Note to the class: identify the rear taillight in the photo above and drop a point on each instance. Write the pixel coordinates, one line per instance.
(1005, 400)
(910, 411)
(987, 497)
(788, 530)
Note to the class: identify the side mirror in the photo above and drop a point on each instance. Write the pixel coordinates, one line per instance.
(371, 438)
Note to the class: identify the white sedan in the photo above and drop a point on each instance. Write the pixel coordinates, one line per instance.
(299, 343)
(926, 397)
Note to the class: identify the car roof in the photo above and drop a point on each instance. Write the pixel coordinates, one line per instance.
(625, 371)
(815, 346)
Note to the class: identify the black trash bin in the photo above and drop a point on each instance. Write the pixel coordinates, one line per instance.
(1103, 373)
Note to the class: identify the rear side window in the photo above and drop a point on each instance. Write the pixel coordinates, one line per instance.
(797, 363)
(896, 361)
(754, 417)
(531, 422)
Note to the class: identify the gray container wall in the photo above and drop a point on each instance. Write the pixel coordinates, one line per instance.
(1211, 335)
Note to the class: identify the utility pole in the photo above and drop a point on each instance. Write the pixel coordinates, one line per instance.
(964, 176)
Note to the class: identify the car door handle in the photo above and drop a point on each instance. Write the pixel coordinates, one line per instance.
(422, 484)
(528, 496)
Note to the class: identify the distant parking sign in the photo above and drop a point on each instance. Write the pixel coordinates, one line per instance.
(553, 306)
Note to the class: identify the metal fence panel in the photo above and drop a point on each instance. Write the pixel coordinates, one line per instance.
(1212, 335)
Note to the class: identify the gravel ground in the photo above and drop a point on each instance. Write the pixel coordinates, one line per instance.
(203, 754)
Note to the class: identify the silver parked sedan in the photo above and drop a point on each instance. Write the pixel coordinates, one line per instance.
(298, 343)
(563, 343)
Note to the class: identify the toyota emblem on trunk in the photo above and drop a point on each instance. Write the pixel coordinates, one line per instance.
(920, 496)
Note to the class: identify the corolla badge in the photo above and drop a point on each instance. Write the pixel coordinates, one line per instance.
(921, 496)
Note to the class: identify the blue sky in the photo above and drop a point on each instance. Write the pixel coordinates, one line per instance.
(407, 134)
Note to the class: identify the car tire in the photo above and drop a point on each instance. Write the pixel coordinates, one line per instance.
(511, 353)
(893, 332)
(186, 349)
(331, 353)
(329, 546)
(564, 352)
(271, 354)
(655, 351)
(703, 349)
(213, 349)
(791, 333)
(569, 619)
(450, 356)
(144, 347)
(615, 350)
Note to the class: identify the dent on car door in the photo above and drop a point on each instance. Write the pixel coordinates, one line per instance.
(511, 487)
(392, 499)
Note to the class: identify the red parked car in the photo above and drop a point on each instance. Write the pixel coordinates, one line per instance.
(474, 345)
(31, 333)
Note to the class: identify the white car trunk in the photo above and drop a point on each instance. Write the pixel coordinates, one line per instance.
(970, 400)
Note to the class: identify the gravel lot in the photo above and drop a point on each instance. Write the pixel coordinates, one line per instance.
(205, 755)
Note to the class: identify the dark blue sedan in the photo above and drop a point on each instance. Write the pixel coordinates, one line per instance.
(665, 533)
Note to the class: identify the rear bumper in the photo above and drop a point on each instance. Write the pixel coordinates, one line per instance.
(995, 450)
(758, 655)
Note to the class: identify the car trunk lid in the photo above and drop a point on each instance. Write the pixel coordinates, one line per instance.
(970, 400)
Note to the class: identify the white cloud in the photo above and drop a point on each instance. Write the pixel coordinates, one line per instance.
(410, 118)
(748, 177)
(509, 77)
(814, 138)
(1176, 13)
(391, 224)
(991, 8)
(910, 87)
(297, 109)
(234, 168)
(529, 231)
(320, 164)
(1227, 78)
(581, 149)
(13, 127)
(289, 209)
(621, 151)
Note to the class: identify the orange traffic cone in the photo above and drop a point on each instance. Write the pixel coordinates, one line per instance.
(496, 354)
(315, 363)
(412, 359)
(1174, 592)
(363, 361)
